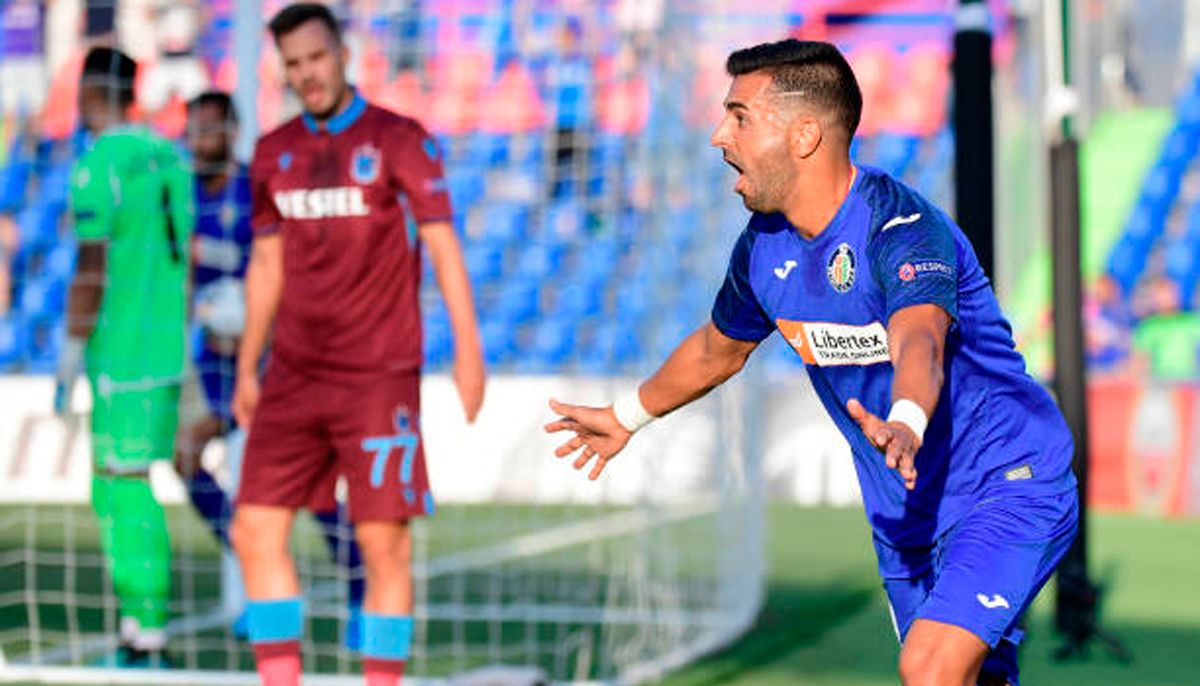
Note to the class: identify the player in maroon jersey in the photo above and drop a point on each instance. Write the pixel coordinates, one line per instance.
(345, 196)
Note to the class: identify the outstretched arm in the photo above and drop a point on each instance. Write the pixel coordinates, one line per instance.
(703, 361)
(916, 345)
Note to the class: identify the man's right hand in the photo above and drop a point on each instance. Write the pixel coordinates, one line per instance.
(596, 430)
(245, 399)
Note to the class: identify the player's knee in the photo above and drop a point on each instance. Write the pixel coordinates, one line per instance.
(384, 547)
(923, 666)
(253, 538)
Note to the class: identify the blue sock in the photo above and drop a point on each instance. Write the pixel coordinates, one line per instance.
(387, 637)
(275, 621)
(210, 501)
(339, 537)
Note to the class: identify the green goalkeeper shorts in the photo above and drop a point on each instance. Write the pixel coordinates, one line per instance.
(132, 428)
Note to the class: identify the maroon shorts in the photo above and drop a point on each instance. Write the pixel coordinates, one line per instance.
(307, 431)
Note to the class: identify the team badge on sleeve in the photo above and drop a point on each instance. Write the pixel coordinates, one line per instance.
(841, 268)
(364, 164)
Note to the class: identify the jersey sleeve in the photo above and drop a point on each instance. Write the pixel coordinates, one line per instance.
(264, 216)
(916, 263)
(416, 164)
(736, 312)
(93, 194)
(181, 196)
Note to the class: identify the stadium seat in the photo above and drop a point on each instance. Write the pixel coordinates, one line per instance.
(439, 343)
(484, 260)
(565, 219)
(539, 260)
(45, 343)
(1125, 263)
(466, 188)
(14, 336)
(517, 300)
(576, 299)
(43, 295)
(497, 341)
(505, 221)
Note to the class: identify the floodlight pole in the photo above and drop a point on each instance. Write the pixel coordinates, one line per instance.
(974, 178)
(1077, 598)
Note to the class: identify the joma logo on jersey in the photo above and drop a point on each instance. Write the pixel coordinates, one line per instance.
(836, 345)
(322, 203)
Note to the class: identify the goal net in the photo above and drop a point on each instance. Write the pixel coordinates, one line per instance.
(596, 222)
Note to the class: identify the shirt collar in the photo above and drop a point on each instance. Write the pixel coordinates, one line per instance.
(341, 121)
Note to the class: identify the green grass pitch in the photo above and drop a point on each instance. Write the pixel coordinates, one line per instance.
(824, 622)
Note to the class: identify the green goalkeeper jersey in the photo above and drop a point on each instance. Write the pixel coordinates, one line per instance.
(133, 191)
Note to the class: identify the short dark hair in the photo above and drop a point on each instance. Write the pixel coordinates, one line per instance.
(214, 98)
(294, 16)
(112, 70)
(817, 69)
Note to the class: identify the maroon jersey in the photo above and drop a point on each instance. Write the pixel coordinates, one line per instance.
(347, 199)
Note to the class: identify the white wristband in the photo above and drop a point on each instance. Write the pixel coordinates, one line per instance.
(630, 412)
(911, 415)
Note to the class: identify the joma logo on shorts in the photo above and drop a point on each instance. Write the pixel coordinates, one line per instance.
(322, 203)
(833, 345)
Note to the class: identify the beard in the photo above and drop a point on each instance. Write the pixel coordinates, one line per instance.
(774, 179)
(212, 167)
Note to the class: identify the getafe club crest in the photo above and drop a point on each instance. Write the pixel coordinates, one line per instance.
(364, 164)
(841, 267)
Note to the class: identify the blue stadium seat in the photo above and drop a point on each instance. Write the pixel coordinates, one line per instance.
(505, 221)
(517, 300)
(488, 149)
(484, 260)
(1183, 266)
(466, 188)
(439, 341)
(553, 341)
(539, 261)
(577, 299)
(497, 339)
(42, 295)
(614, 345)
(565, 219)
(894, 152)
(1125, 263)
(60, 262)
(14, 341)
(1179, 148)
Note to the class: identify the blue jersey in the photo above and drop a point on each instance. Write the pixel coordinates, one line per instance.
(995, 429)
(221, 250)
(223, 236)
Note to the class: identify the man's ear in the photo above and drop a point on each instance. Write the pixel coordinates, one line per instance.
(804, 136)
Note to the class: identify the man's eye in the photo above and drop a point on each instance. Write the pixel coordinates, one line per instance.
(741, 120)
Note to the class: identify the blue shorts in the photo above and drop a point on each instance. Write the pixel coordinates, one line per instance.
(984, 572)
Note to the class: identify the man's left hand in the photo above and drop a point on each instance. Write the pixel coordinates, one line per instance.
(895, 440)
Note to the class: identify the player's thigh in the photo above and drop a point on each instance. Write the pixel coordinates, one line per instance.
(938, 654)
(288, 449)
(132, 429)
(262, 530)
(380, 453)
(994, 562)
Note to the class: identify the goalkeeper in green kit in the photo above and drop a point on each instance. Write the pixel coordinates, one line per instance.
(131, 199)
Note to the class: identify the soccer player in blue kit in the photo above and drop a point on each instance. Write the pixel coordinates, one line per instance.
(964, 460)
